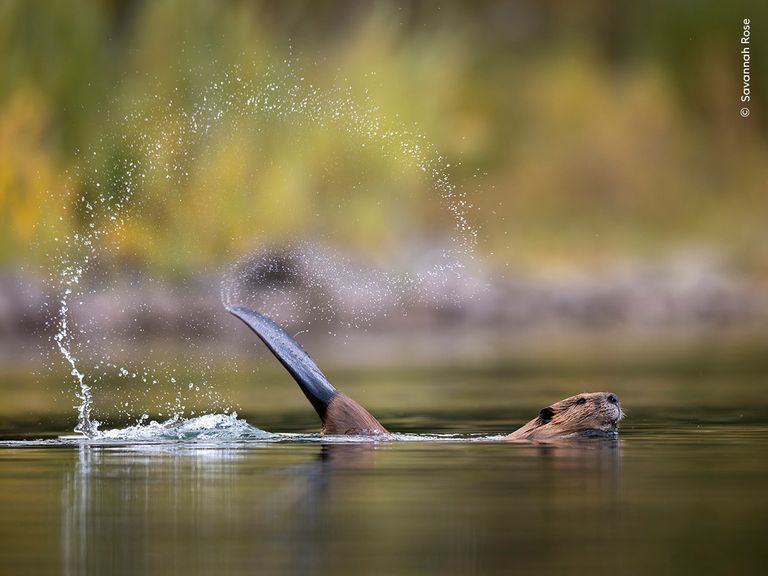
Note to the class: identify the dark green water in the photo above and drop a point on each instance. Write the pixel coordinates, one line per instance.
(683, 491)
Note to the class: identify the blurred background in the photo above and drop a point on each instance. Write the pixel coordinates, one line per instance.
(619, 198)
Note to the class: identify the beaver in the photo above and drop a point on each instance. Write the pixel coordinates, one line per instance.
(595, 414)
(591, 414)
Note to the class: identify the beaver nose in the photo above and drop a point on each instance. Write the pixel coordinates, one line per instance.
(612, 398)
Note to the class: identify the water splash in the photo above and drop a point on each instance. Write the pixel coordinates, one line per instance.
(149, 152)
(219, 427)
(303, 282)
(75, 257)
(212, 430)
(85, 425)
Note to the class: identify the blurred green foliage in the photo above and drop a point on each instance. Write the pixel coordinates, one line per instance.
(581, 131)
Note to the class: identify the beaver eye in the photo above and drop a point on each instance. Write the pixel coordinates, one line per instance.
(546, 414)
(581, 401)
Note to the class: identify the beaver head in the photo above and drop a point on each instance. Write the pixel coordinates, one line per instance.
(594, 414)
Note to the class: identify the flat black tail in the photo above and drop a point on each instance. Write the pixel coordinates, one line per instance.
(310, 379)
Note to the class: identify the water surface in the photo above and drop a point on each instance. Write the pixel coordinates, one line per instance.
(683, 490)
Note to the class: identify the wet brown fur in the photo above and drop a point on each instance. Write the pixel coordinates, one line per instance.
(345, 416)
(583, 415)
(588, 414)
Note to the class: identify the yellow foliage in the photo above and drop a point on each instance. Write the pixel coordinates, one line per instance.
(32, 192)
(566, 153)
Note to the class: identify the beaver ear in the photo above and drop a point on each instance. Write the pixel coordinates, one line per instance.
(546, 414)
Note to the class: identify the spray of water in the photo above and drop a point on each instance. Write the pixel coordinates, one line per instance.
(282, 95)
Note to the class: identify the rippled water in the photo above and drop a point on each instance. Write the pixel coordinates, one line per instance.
(682, 491)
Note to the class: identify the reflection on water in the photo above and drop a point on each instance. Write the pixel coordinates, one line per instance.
(397, 507)
(670, 496)
(120, 504)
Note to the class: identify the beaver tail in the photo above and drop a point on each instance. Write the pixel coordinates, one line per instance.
(292, 356)
(338, 413)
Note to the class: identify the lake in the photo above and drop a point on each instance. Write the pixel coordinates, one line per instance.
(684, 490)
